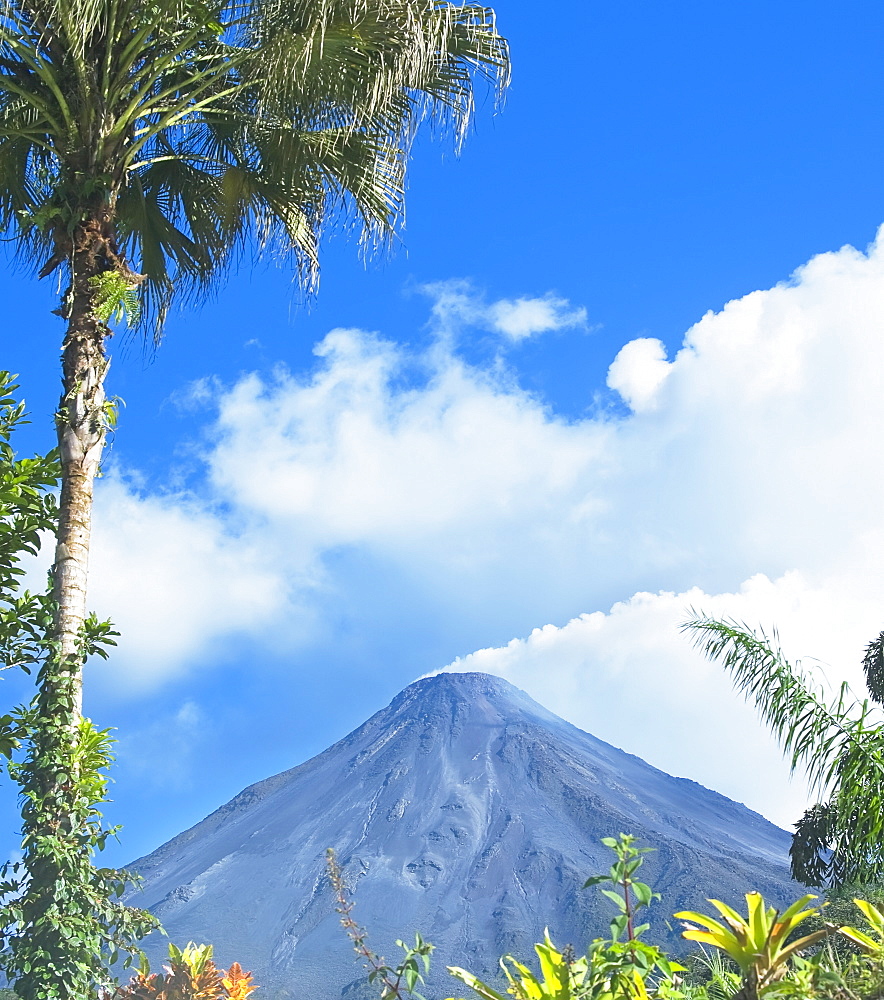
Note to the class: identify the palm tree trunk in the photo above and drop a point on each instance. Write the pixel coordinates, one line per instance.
(59, 898)
(81, 427)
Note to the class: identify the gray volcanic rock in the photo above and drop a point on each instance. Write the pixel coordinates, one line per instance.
(463, 810)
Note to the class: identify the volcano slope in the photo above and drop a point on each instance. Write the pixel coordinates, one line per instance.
(463, 810)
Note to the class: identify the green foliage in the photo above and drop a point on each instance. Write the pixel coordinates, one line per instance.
(610, 970)
(873, 668)
(562, 977)
(838, 742)
(397, 981)
(866, 973)
(710, 976)
(61, 919)
(841, 910)
(872, 943)
(630, 895)
(27, 512)
(115, 298)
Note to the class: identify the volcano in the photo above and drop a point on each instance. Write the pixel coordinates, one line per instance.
(463, 810)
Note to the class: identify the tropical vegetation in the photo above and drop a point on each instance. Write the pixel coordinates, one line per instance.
(190, 975)
(838, 741)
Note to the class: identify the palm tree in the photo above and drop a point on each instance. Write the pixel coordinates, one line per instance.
(146, 146)
(838, 741)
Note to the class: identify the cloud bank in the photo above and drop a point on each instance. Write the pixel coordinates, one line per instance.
(631, 677)
(392, 491)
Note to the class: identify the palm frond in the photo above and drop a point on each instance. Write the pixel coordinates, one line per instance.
(815, 734)
(216, 129)
(363, 55)
(840, 744)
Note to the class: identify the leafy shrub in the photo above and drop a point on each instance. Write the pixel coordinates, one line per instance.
(190, 975)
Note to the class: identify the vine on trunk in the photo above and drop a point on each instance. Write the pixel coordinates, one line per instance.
(62, 922)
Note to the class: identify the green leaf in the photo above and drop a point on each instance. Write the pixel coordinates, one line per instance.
(643, 893)
(615, 897)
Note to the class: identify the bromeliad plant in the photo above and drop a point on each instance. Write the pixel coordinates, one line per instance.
(872, 944)
(761, 943)
(867, 972)
(561, 975)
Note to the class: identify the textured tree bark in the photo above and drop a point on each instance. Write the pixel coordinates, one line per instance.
(81, 427)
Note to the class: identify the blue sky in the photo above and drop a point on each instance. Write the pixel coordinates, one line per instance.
(289, 533)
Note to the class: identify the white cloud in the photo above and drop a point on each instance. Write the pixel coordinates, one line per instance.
(452, 503)
(748, 463)
(638, 371)
(522, 318)
(176, 581)
(457, 303)
(347, 458)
